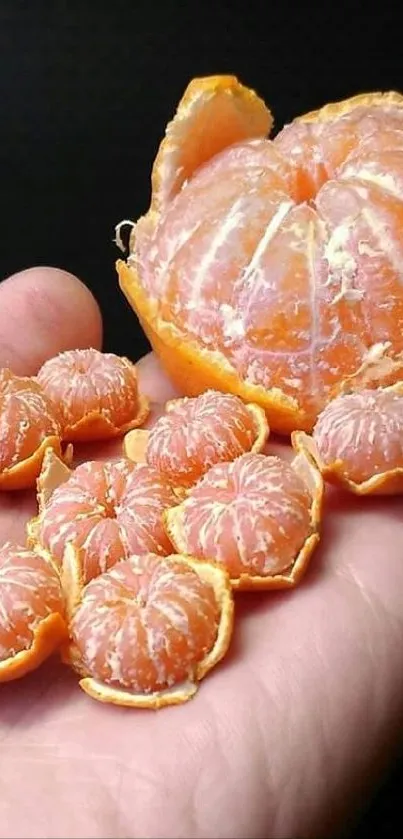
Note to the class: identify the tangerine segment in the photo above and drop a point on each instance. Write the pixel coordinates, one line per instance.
(29, 424)
(147, 631)
(32, 621)
(275, 279)
(235, 112)
(358, 441)
(256, 516)
(96, 393)
(194, 434)
(110, 510)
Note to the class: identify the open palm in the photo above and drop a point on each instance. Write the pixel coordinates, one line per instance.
(283, 739)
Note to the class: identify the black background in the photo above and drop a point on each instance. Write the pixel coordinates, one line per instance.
(86, 90)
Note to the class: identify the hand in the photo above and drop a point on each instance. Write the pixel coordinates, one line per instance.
(283, 739)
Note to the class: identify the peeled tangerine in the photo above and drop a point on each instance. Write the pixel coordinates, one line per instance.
(195, 434)
(29, 424)
(96, 394)
(32, 623)
(357, 441)
(257, 516)
(272, 268)
(146, 632)
(108, 509)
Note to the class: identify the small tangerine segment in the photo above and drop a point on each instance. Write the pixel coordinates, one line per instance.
(32, 621)
(150, 628)
(358, 438)
(96, 393)
(108, 509)
(253, 515)
(195, 434)
(29, 423)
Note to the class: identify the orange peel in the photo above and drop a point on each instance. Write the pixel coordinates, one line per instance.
(48, 636)
(116, 694)
(24, 474)
(360, 100)
(336, 471)
(238, 113)
(54, 471)
(135, 445)
(306, 468)
(39, 612)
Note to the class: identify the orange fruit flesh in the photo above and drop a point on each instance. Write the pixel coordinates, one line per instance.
(27, 419)
(31, 610)
(110, 510)
(252, 515)
(96, 393)
(361, 434)
(147, 625)
(281, 274)
(194, 434)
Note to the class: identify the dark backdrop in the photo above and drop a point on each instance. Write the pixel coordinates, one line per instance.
(86, 89)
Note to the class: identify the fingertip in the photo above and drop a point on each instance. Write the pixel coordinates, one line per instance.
(44, 311)
(153, 381)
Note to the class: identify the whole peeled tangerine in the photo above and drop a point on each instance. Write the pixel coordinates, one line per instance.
(272, 269)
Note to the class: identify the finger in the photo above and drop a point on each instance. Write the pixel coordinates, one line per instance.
(44, 311)
(153, 381)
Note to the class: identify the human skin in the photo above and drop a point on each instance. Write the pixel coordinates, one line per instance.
(284, 739)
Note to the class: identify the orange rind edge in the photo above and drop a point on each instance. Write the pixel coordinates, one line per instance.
(361, 100)
(47, 637)
(250, 115)
(210, 572)
(386, 483)
(53, 473)
(194, 370)
(95, 427)
(292, 576)
(24, 474)
(134, 445)
(261, 425)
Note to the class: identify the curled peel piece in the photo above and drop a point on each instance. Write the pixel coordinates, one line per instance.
(135, 445)
(179, 610)
(118, 696)
(54, 472)
(24, 474)
(258, 516)
(357, 441)
(214, 113)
